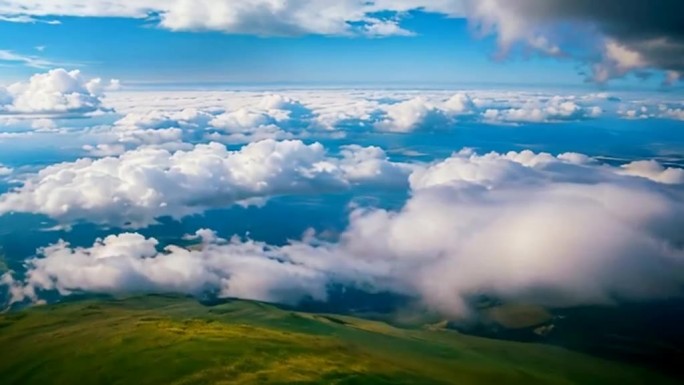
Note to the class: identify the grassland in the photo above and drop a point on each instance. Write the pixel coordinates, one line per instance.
(173, 340)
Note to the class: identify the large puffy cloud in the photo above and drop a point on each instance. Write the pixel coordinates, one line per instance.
(627, 36)
(55, 92)
(653, 170)
(129, 262)
(147, 183)
(418, 112)
(274, 116)
(556, 230)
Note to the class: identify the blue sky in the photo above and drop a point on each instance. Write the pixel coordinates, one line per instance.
(444, 51)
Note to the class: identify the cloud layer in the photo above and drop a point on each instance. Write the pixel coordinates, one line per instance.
(556, 230)
(241, 117)
(140, 185)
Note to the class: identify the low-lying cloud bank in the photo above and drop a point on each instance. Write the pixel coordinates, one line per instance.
(141, 185)
(56, 92)
(270, 116)
(173, 119)
(152, 118)
(556, 230)
(176, 120)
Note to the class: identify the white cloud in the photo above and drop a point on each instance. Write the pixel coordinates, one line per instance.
(556, 230)
(55, 92)
(28, 60)
(230, 118)
(514, 107)
(653, 109)
(155, 119)
(654, 171)
(618, 60)
(43, 124)
(676, 113)
(554, 109)
(141, 185)
(274, 116)
(380, 28)
(23, 19)
(4, 170)
(129, 262)
(409, 115)
(235, 117)
(418, 112)
(117, 141)
(257, 17)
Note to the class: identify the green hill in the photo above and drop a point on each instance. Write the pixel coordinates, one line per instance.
(174, 340)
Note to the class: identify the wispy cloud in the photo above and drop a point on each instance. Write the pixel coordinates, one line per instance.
(28, 20)
(27, 60)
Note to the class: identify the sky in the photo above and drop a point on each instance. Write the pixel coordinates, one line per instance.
(275, 149)
(426, 47)
(444, 52)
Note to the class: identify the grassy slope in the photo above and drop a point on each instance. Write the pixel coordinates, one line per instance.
(171, 340)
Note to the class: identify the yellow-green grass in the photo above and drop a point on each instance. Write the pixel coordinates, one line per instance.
(174, 340)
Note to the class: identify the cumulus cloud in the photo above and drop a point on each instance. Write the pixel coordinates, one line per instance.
(141, 185)
(556, 108)
(55, 92)
(657, 110)
(556, 230)
(4, 170)
(418, 112)
(273, 117)
(156, 119)
(174, 126)
(433, 112)
(653, 170)
(672, 113)
(129, 262)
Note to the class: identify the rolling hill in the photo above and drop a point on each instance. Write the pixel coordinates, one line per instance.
(176, 340)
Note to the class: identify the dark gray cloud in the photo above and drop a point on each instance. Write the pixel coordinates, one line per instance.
(634, 35)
